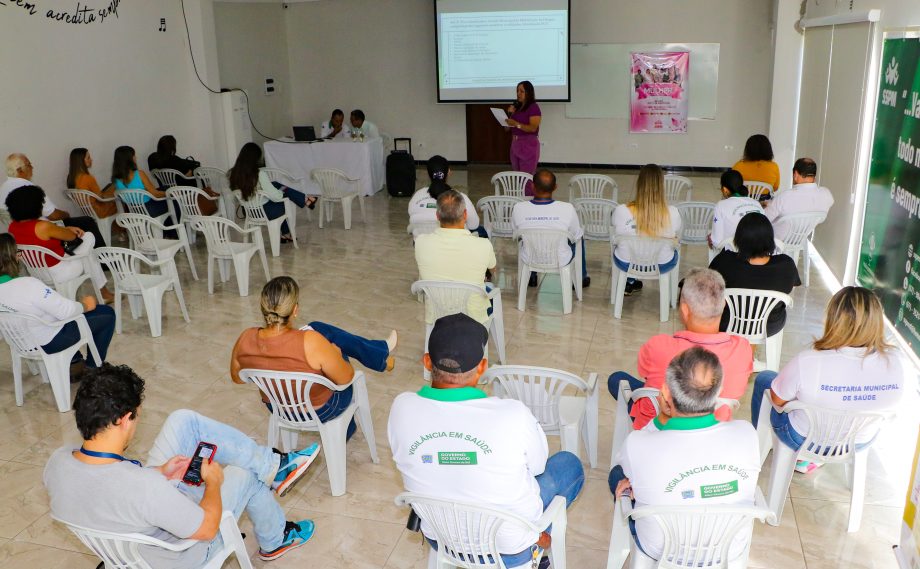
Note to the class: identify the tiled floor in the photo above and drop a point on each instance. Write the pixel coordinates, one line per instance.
(360, 280)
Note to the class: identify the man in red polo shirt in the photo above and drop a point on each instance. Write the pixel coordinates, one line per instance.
(701, 304)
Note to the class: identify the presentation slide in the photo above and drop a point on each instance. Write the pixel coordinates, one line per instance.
(486, 48)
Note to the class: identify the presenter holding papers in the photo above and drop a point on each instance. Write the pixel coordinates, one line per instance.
(525, 126)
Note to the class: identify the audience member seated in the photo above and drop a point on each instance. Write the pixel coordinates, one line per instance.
(508, 468)
(805, 196)
(79, 178)
(95, 486)
(246, 180)
(851, 358)
(734, 205)
(320, 348)
(19, 174)
(360, 125)
(333, 129)
(166, 158)
(701, 303)
(659, 465)
(27, 228)
(126, 176)
(422, 205)
(27, 295)
(756, 164)
(649, 215)
(543, 212)
(454, 254)
(756, 266)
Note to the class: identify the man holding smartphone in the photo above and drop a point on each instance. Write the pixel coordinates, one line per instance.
(95, 486)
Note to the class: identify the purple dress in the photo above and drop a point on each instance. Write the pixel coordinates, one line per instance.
(525, 146)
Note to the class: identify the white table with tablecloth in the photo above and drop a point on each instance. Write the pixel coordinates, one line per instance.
(359, 160)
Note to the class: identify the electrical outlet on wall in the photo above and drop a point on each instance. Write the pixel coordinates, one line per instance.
(269, 86)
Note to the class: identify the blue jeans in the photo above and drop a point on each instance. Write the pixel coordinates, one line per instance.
(481, 231)
(274, 210)
(372, 354)
(102, 326)
(662, 268)
(248, 471)
(563, 476)
(613, 385)
(779, 421)
(617, 474)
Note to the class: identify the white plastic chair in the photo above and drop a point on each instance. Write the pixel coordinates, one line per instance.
(145, 235)
(443, 298)
(758, 190)
(337, 187)
(644, 253)
(592, 186)
(84, 201)
(496, 215)
(541, 390)
(36, 259)
(422, 228)
(674, 186)
(55, 368)
(542, 247)
(800, 230)
(831, 439)
(224, 250)
(255, 216)
(695, 222)
(288, 179)
(166, 177)
(216, 179)
(748, 311)
(466, 532)
(186, 197)
(511, 183)
(123, 550)
(596, 217)
(292, 413)
(133, 201)
(694, 536)
(148, 288)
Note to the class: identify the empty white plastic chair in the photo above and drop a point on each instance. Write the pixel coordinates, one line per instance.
(337, 187)
(694, 536)
(186, 197)
(466, 532)
(748, 311)
(37, 260)
(541, 390)
(799, 232)
(541, 247)
(55, 368)
(224, 250)
(124, 550)
(145, 235)
(84, 201)
(758, 190)
(496, 215)
(216, 180)
(511, 183)
(146, 288)
(695, 222)
(292, 414)
(674, 188)
(592, 186)
(166, 177)
(596, 217)
(255, 216)
(644, 253)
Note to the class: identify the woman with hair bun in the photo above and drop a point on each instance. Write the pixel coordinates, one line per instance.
(423, 205)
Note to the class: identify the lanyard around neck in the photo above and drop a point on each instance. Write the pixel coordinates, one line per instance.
(108, 455)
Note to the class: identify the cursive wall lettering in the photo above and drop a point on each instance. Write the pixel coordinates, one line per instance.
(82, 13)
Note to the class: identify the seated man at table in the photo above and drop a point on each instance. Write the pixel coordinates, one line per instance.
(360, 124)
(333, 129)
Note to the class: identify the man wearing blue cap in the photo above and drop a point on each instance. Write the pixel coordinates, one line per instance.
(453, 441)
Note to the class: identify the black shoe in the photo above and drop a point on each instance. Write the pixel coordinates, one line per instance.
(311, 203)
(638, 285)
(585, 282)
(488, 276)
(533, 280)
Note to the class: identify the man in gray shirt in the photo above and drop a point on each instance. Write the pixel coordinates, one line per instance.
(96, 487)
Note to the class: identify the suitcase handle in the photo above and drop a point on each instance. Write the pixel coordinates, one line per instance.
(408, 142)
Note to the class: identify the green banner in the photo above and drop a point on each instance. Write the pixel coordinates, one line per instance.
(889, 256)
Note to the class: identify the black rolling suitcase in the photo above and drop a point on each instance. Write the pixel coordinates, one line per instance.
(401, 170)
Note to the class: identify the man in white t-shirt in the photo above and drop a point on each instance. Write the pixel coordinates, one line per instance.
(805, 196)
(543, 212)
(685, 457)
(362, 125)
(334, 128)
(452, 441)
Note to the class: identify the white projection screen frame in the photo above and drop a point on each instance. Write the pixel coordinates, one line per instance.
(486, 47)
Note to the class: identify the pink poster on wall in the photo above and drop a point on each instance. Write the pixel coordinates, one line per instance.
(658, 100)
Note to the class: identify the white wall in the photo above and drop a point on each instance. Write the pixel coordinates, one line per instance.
(101, 85)
(251, 46)
(379, 55)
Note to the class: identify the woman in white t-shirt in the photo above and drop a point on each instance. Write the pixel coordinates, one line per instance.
(729, 211)
(850, 368)
(650, 215)
(423, 206)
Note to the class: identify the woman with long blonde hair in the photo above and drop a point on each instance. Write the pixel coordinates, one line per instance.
(648, 215)
(850, 368)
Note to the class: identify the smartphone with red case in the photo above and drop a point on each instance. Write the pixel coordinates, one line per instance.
(205, 451)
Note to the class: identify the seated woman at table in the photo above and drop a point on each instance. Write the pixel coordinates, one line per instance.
(248, 182)
(79, 178)
(424, 203)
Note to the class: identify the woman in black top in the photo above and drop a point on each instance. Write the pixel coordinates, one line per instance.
(755, 266)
